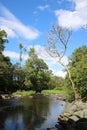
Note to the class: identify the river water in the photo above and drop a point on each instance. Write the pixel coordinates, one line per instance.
(30, 113)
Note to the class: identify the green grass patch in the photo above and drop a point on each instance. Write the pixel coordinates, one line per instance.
(53, 91)
(61, 92)
(24, 93)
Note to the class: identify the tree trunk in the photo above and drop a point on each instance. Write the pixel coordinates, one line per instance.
(76, 94)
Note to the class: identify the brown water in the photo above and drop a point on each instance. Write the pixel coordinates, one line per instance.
(37, 113)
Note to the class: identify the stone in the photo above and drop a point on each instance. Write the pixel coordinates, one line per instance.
(79, 114)
(74, 118)
(73, 115)
(85, 113)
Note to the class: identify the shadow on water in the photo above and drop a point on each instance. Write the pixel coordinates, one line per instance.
(81, 124)
(35, 113)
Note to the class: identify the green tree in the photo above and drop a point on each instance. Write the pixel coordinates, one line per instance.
(5, 65)
(3, 40)
(78, 68)
(6, 75)
(18, 77)
(37, 73)
(57, 82)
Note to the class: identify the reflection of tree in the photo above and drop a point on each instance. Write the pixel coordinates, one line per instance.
(11, 116)
(37, 109)
(29, 115)
(2, 119)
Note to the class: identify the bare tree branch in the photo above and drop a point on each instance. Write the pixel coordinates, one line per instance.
(58, 40)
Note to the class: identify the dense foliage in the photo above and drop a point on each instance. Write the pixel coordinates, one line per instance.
(35, 74)
(6, 77)
(78, 68)
(38, 75)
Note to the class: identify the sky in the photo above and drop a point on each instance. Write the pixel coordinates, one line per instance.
(29, 21)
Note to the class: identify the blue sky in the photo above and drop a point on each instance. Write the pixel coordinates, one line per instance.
(28, 22)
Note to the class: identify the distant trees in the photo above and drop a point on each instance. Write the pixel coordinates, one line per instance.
(34, 75)
(18, 77)
(37, 72)
(18, 71)
(56, 82)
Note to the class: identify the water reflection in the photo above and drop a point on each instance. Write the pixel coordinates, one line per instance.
(35, 113)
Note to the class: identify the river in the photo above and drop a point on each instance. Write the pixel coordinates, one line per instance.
(30, 113)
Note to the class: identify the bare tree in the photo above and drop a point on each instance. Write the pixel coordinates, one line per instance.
(58, 40)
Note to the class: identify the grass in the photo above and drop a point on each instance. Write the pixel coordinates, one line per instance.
(54, 91)
(61, 92)
(24, 93)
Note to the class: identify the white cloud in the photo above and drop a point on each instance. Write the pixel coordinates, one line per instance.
(14, 55)
(43, 7)
(40, 50)
(73, 19)
(50, 61)
(60, 73)
(14, 27)
(42, 53)
(65, 60)
(11, 54)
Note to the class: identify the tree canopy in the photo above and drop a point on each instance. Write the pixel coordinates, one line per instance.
(37, 72)
(78, 68)
(5, 65)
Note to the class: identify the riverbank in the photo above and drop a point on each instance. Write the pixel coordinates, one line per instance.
(22, 93)
(74, 117)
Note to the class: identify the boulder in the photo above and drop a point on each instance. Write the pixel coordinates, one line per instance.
(73, 115)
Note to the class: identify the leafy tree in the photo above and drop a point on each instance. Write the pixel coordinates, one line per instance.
(6, 75)
(19, 72)
(58, 40)
(3, 39)
(78, 68)
(5, 65)
(58, 82)
(37, 73)
(18, 77)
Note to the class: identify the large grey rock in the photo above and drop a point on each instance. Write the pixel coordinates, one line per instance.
(79, 114)
(73, 114)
